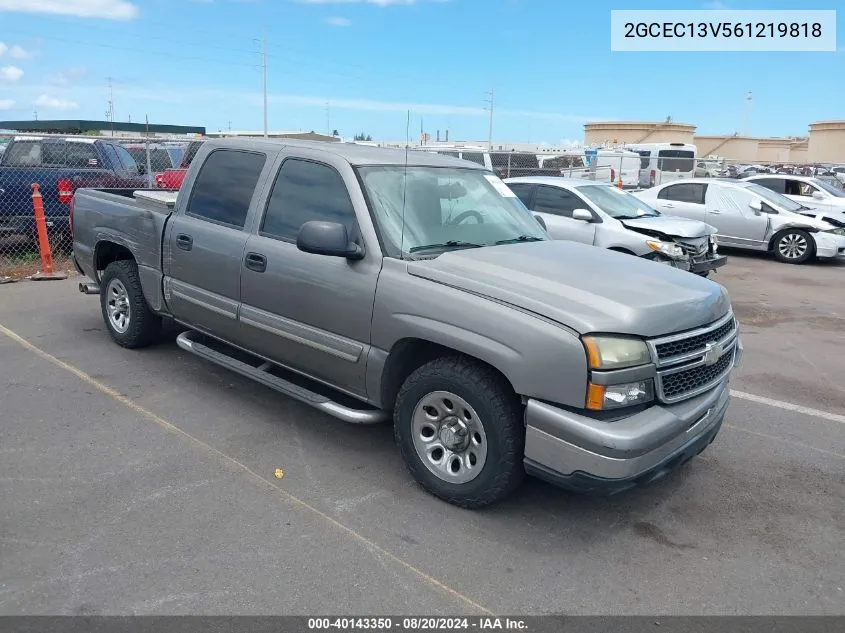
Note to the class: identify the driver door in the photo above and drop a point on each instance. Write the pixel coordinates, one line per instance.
(555, 205)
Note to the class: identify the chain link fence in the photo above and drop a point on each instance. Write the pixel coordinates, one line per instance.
(60, 165)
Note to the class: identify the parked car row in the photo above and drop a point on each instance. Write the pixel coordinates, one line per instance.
(383, 285)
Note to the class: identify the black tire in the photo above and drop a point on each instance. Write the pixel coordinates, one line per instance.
(500, 411)
(143, 326)
(781, 241)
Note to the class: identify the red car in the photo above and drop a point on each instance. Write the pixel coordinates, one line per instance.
(172, 178)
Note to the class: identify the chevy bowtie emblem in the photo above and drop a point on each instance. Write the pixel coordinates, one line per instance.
(712, 353)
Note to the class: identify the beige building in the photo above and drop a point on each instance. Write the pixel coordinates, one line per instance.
(730, 146)
(799, 151)
(774, 150)
(827, 142)
(614, 132)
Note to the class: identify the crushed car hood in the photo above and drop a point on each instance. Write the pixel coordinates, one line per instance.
(670, 225)
(585, 288)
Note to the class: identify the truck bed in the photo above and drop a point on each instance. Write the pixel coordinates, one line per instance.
(132, 218)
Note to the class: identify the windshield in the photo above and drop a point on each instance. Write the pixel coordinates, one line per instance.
(774, 198)
(444, 205)
(836, 193)
(616, 203)
(676, 160)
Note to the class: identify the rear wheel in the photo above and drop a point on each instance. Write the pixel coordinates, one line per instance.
(459, 428)
(794, 246)
(130, 321)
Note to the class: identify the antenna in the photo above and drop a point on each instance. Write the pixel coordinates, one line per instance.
(110, 108)
(264, 73)
(490, 132)
(405, 181)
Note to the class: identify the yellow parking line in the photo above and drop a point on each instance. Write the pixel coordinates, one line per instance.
(114, 395)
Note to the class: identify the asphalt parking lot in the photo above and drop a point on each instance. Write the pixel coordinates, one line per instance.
(141, 482)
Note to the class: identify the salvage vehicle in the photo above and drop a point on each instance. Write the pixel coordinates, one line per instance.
(818, 197)
(749, 216)
(604, 216)
(376, 284)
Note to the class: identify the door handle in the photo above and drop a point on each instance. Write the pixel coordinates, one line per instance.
(715, 212)
(666, 205)
(185, 242)
(256, 262)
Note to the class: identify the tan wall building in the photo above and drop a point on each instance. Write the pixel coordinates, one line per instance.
(827, 142)
(738, 148)
(774, 150)
(799, 151)
(605, 132)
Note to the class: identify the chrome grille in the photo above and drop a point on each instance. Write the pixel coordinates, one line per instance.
(693, 248)
(693, 362)
(687, 345)
(681, 382)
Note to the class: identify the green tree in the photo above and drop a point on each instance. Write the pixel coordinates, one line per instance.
(363, 137)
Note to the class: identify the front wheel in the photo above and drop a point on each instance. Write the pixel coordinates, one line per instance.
(459, 428)
(129, 319)
(794, 246)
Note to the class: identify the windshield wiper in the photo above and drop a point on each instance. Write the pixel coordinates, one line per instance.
(521, 238)
(449, 244)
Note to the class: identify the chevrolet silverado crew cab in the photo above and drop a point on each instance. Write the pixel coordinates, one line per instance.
(377, 284)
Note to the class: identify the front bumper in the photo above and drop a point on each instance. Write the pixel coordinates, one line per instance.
(606, 457)
(828, 245)
(710, 263)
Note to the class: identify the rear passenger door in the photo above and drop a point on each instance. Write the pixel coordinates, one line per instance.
(204, 245)
(683, 199)
(309, 312)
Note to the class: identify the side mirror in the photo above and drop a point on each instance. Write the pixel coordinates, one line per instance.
(583, 215)
(756, 206)
(327, 238)
(541, 222)
(818, 195)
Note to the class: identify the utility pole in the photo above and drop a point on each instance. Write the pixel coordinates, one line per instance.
(490, 132)
(748, 100)
(230, 126)
(264, 72)
(36, 115)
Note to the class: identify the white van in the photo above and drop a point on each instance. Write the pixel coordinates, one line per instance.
(600, 165)
(664, 162)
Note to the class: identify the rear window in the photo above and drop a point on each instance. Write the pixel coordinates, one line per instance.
(225, 186)
(522, 161)
(675, 160)
(51, 154)
(159, 158)
(645, 158)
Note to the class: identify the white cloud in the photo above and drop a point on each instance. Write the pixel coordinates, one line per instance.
(339, 21)
(10, 73)
(3, 48)
(716, 5)
(106, 9)
(19, 52)
(6, 104)
(68, 76)
(45, 101)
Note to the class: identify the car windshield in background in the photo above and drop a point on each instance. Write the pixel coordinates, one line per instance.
(772, 197)
(159, 158)
(616, 203)
(675, 160)
(427, 210)
(836, 193)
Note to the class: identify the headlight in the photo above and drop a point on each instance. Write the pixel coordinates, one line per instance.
(612, 352)
(604, 397)
(670, 249)
(837, 231)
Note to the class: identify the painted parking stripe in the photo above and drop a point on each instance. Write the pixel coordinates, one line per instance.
(788, 406)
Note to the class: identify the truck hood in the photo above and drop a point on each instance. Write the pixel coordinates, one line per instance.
(670, 225)
(586, 288)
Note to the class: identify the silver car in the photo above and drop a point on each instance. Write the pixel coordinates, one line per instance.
(604, 216)
(747, 215)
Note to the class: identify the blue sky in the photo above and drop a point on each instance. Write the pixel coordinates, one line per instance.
(196, 62)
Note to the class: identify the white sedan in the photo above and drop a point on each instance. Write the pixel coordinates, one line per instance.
(814, 194)
(749, 216)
